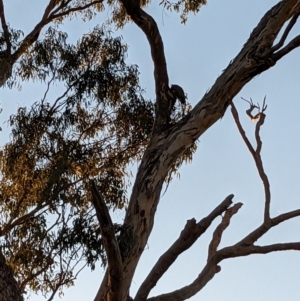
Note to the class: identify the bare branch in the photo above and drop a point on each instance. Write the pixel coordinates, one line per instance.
(188, 236)
(251, 238)
(256, 153)
(284, 217)
(110, 244)
(241, 130)
(293, 44)
(274, 248)
(285, 33)
(192, 289)
(5, 28)
(249, 111)
(217, 235)
(232, 252)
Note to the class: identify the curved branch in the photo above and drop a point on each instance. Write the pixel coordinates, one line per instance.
(48, 17)
(5, 28)
(192, 289)
(167, 145)
(149, 27)
(293, 44)
(256, 153)
(188, 236)
(285, 33)
(115, 272)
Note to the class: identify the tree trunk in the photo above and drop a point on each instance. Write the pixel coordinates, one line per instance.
(9, 290)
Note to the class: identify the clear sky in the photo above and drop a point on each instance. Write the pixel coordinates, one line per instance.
(196, 54)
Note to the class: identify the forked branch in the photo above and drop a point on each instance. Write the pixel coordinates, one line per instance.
(256, 152)
(188, 236)
(285, 33)
(217, 235)
(54, 10)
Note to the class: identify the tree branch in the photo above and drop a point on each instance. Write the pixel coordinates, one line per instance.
(256, 153)
(284, 217)
(47, 18)
(285, 33)
(242, 132)
(192, 289)
(115, 272)
(166, 146)
(55, 15)
(164, 98)
(217, 235)
(5, 28)
(293, 44)
(188, 236)
(232, 252)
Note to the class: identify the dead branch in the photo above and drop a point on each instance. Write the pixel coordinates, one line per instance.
(284, 217)
(217, 235)
(192, 289)
(249, 111)
(256, 153)
(285, 33)
(238, 251)
(251, 238)
(188, 236)
(293, 44)
(115, 272)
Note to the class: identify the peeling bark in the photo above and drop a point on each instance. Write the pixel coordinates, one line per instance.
(169, 142)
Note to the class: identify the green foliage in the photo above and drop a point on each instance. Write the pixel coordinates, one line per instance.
(98, 123)
(93, 130)
(183, 7)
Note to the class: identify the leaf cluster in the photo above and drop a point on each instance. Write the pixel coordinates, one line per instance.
(183, 7)
(97, 126)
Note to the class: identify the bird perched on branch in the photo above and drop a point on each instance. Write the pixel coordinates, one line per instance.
(179, 94)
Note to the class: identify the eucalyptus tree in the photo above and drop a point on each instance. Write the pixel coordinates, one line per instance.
(66, 161)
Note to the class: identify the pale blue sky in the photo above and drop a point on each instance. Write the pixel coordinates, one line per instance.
(196, 54)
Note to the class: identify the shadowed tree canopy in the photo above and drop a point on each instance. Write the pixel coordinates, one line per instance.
(66, 164)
